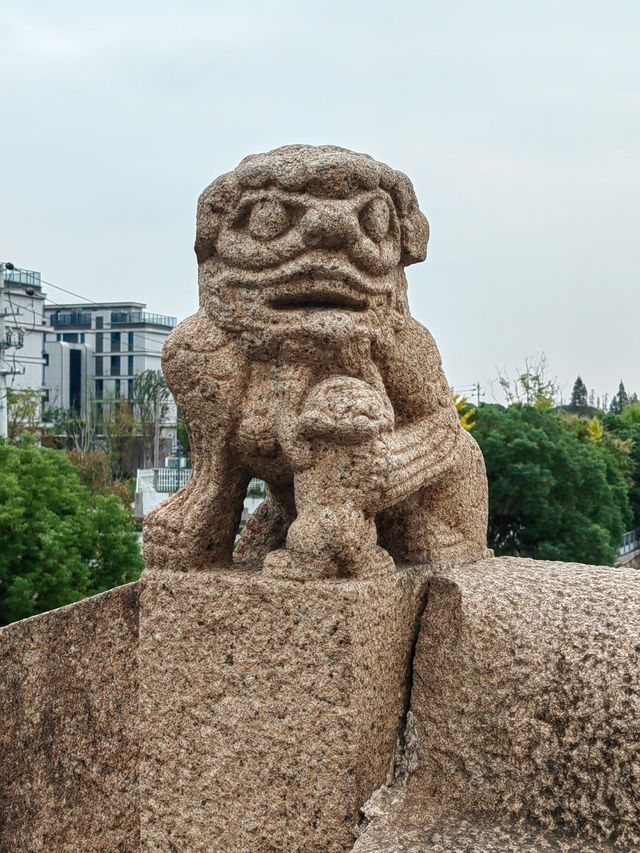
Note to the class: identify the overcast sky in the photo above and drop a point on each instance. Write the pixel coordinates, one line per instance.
(518, 122)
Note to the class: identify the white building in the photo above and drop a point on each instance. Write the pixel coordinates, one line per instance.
(80, 357)
(25, 326)
(95, 350)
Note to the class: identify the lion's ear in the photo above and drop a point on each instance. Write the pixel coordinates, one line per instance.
(214, 201)
(413, 224)
(207, 226)
(415, 236)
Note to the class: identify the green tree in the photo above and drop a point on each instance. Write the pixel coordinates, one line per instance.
(24, 412)
(619, 400)
(631, 414)
(58, 542)
(95, 473)
(150, 403)
(184, 443)
(623, 399)
(579, 397)
(532, 384)
(626, 428)
(119, 433)
(68, 430)
(554, 494)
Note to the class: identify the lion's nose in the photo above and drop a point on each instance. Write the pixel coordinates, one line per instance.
(330, 227)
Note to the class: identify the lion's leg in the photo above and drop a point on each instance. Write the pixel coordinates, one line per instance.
(266, 529)
(444, 523)
(333, 535)
(196, 528)
(332, 538)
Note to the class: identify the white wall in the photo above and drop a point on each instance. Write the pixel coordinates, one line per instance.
(57, 375)
(27, 361)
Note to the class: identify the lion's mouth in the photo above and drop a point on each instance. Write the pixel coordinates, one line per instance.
(318, 301)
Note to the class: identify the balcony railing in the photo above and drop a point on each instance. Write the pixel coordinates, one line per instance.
(630, 542)
(71, 318)
(139, 318)
(30, 278)
(169, 480)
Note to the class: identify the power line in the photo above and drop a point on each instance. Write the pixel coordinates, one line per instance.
(49, 330)
(467, 390)
(86, 299)
(93, 302)
(69, 292)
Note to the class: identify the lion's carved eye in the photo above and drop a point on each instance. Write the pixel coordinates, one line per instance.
(374, 219)
(268, 219)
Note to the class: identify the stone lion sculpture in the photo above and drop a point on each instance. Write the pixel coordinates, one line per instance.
(304, 367)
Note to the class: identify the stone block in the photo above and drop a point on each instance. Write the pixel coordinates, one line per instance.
(68, 728)
(269, 708)
(526, 701)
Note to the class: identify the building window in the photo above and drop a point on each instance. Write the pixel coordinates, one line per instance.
(99, 389)
(131, 344)
(115, 341)
(75, 379)
(99, 342)
(130, 365)
(81, 337)
(99, 366)
(115, 365)
(130, 389)
(117, 389)
(70, 337)
(58, 337)
(99, 322)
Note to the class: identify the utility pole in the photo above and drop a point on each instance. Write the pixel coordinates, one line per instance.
(156, 420)
(4, 367)
(466, 391)
(8, 338)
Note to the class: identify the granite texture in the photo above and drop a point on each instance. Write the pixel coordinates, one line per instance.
(68, 728)
(270, 709)
(420, 824)
(526, 700)
(253, 713)
(304, 367)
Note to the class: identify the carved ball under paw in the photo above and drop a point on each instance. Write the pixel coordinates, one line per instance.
(346, 409)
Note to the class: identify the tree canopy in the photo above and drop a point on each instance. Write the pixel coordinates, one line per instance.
(619, 401)
(58, 541)
(558, 490)
(626, 428)
(579, 397)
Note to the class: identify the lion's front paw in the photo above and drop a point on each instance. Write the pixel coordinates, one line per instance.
(346, 409)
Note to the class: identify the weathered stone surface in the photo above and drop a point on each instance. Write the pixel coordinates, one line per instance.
(304, 367)
(269, 708)
(526, 697)
(417, 823)
(269, 711)
(68, 723)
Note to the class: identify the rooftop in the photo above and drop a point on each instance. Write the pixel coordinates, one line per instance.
(79, 315)
(96, 306)
(26, 278)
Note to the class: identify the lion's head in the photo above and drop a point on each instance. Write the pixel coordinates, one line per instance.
(308, 241)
